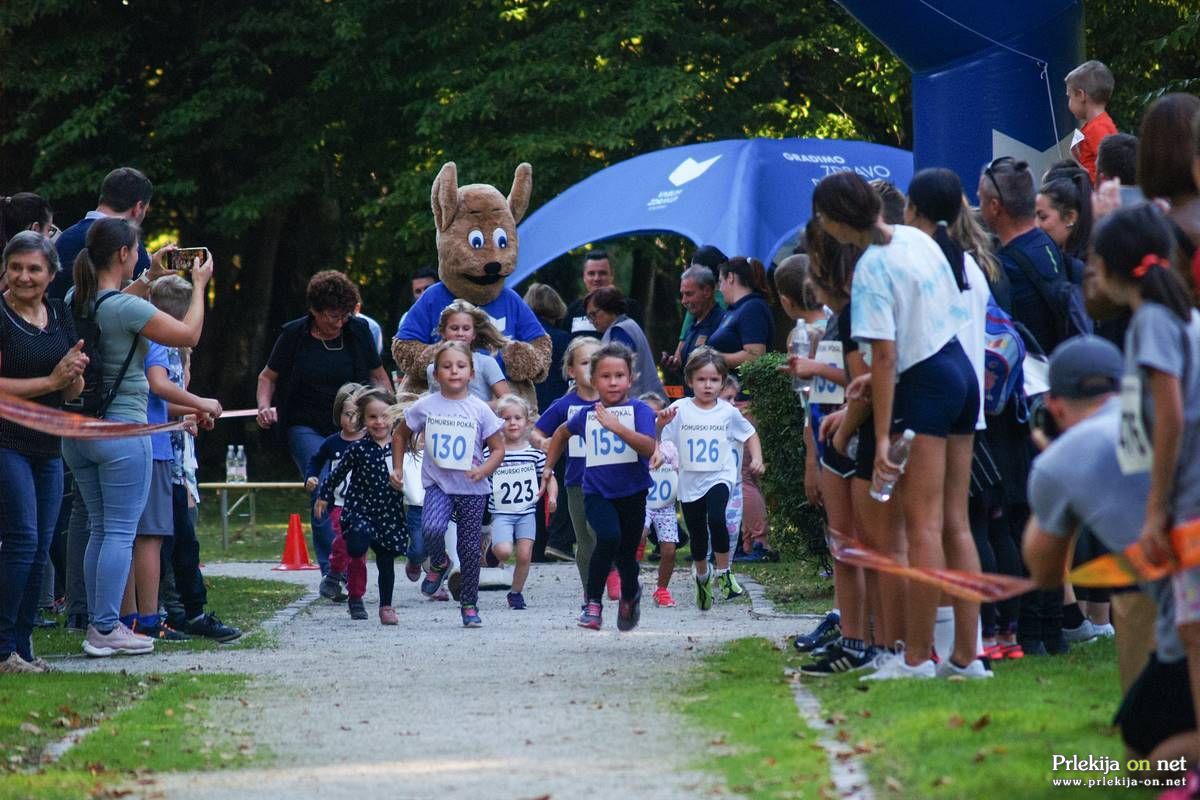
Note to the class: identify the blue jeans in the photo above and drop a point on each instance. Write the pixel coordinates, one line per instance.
(303, 442)
(114, 478)
(30, 494)
(416, 538)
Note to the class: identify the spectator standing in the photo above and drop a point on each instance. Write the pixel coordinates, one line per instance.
(422, 280)
(312, 358)
(748, 326)
(1089, 88)
(25, 211)
(1168, 150)
(607, 310)
(1117, 158)
(705, 256)
(698, 293)
(597, 274)
(41, 360)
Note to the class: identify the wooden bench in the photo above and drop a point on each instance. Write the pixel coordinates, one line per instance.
(247, 489)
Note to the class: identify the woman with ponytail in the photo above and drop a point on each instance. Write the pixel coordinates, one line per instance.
(24, 211)
(748, 327)
(113, 476)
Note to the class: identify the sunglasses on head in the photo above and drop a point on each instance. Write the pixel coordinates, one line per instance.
(1002, 161)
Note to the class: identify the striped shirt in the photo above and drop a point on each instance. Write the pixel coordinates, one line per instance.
(514, 487)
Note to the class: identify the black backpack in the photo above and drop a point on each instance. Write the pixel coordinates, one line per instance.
(93, 401)
(1064, 298)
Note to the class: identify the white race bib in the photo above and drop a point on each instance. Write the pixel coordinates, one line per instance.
(664, 488)
(1135, 453)
(823, 390)
(605, 447)
(450, 441)
(514, 488)
(582, 325)
(703, 446)
(576, 444)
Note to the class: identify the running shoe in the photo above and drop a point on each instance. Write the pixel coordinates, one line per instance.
(412, 570)
(704, 592)
(42, 664)
(470, 617)
(629, 612)
(838, 660)
(613, 585)
(208, 626)
(893, 667)
(331, 587)
(1086, 632)
(662, 598)
(591, 617)
(387, 616)
(516, 601)
(161, 632)
(441, 595)
(828, 631)
(978, 668)
(357, 609)
(1106, 631)
(454, 583)
(14, 665)
(729, 586)
(119, 641)
(433, 579)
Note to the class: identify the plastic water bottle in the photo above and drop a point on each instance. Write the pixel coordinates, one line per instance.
(852, 447)
(230, 465)
(241, 464)
(882, 488)
(800, 347)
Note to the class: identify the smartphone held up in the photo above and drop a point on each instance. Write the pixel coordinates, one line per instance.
(185, 259)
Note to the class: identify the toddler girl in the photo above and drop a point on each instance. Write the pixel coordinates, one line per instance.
(463, 322)
(330, 452)
(664, 519)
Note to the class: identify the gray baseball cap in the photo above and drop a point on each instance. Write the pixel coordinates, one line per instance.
(1085, 366)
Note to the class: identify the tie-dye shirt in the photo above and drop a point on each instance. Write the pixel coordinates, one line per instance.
(904, 292)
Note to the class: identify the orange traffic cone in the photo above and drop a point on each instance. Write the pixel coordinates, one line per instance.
(295, 550)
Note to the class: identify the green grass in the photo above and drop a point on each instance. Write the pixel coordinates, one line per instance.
(242, 602)
(144, 724)
(794, 587)
(744, 712)
(265, 542)
(936, 739)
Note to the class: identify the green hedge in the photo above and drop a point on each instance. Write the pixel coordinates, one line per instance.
(797, 528)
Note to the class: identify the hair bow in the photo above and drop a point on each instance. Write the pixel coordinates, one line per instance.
(1149, 260)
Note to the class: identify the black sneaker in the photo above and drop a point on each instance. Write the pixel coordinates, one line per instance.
(838, 660)
(210, 627)
(331, 588)
(829, 630)
(357, 609)
(629, 612)
(162, 632)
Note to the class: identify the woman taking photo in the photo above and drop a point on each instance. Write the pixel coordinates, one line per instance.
(40, 360)
(748, 327)
(606, 309)
(312, 358)
(113, 475)
(908, 306)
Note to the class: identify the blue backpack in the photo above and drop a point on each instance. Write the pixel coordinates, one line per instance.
(1004, 353)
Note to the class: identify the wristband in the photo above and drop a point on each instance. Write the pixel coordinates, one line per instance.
(145, 277)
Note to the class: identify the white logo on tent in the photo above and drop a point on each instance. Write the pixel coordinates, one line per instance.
(690, 169)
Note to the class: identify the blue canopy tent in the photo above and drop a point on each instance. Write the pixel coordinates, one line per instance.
(745, 196)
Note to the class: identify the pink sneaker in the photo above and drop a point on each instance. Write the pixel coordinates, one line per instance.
(663, 599)
(120, 640)
(441, 594)
(614, 585)
(387, 616)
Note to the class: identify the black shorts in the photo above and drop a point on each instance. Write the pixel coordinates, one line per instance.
(838, 463)
(1157, 706)
(938, 396)
(864, 459)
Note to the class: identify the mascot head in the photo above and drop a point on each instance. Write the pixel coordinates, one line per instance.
(477, 232)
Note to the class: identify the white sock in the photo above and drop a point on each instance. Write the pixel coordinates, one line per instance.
(943, 632)
(705, 576)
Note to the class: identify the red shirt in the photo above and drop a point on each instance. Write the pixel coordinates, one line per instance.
(1094, 131)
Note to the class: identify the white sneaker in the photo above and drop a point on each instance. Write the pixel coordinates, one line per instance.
(120, 640)
(1084, 633)
(979, 668)
(1107, 631)
(895, 668)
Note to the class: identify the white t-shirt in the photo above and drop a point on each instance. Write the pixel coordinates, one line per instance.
(706, 441)
(904, 292)
(972, 335)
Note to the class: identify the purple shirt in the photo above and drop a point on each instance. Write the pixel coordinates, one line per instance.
(611, 481)
(463, 415)
(559, 411)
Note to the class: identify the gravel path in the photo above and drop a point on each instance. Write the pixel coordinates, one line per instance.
(529, 706)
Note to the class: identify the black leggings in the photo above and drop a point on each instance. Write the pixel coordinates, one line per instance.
(705, 520)
(618, 526)
(385, 562)
(998, 542)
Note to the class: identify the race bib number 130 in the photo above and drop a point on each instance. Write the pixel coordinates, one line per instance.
(450, 441)
(605, 447)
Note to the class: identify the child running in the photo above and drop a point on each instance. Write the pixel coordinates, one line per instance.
(513, 501)
(373, 510)
(706, 429)
(345, 414)
(577, 370)
(457, 425)
(663, 518)
(462, 322)
(730, 389)
(620, 441)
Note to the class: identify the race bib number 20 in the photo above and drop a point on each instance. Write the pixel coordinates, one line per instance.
(604, 447)
(450, 441)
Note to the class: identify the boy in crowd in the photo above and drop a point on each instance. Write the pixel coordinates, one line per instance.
(1089, 87)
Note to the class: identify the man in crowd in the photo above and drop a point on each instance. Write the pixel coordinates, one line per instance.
(597, 274)
(1117, 158)
(1007, 198)
(1078, 483)
(422, 280)
(697, 292)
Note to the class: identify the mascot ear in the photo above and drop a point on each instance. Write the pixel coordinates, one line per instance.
(444, 198)
(522, 188)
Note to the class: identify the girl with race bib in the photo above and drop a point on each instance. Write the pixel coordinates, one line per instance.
(619, 437)
(1160, 393)
(373, 511)
(513, 501)
(454, 471)
(660, 509)
(462, 322)
(706, 430)
(577, 370)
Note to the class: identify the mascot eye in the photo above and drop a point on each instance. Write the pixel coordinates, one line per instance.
(500, 238)
(475, 239)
